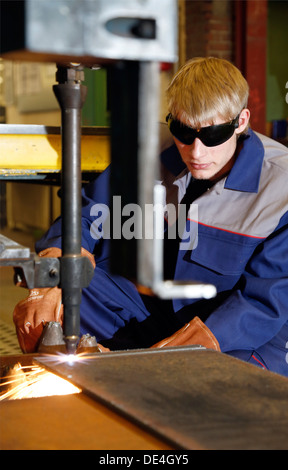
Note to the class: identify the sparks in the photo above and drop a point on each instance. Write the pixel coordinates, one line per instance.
(33, 382)
(69, 359)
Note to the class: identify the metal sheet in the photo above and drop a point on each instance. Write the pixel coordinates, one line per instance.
(45, 423)
(193, 398)
(92, 31)
(63, 19)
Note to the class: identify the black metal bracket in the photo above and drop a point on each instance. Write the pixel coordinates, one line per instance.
(34, 272)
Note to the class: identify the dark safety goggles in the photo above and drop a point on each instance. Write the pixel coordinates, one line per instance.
(209, 136)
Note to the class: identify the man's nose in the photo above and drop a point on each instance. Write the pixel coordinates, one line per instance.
(197, 149)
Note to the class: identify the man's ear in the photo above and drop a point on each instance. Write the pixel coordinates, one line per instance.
(243, 121)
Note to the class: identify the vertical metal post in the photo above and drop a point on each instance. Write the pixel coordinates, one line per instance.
(148, 164)
(71, 96)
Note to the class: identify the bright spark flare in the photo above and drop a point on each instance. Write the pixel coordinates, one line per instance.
(68, 359)
(34, 382)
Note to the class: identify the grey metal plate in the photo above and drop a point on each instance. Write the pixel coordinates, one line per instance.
(80, 28)
(193, 398)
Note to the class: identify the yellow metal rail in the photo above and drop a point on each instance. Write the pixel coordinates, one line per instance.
(31, 149)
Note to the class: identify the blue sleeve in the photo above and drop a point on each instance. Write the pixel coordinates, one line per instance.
(256, 312)
(94, 193)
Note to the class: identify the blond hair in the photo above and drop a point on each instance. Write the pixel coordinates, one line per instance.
(205, 88)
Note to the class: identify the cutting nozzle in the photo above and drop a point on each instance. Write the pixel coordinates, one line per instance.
(71, 344)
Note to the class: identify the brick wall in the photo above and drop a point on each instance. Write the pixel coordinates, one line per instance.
(209, 28)
(236, 31)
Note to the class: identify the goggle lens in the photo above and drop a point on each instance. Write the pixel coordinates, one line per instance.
(209, 136)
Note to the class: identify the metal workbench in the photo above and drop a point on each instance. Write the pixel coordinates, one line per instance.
(179, 398)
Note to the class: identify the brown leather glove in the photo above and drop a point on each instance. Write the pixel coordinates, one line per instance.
(193, 333)
(42, 305)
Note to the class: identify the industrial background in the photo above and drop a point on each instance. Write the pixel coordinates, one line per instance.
(252, 34)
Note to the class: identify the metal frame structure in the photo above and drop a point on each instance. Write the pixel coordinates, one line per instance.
(131, 39)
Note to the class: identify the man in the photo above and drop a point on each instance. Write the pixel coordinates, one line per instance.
(238, 179)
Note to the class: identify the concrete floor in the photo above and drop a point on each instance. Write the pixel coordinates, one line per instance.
(10, 295)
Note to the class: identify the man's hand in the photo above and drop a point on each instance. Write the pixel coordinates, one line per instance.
(40, 307)
(31, 314)
(195, 332)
